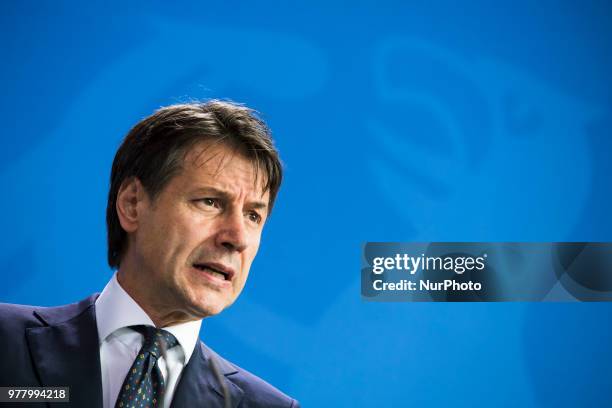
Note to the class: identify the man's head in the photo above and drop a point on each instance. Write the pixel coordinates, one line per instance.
(191, 188)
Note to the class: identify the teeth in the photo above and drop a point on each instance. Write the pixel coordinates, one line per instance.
(211, 271)
(217, 274)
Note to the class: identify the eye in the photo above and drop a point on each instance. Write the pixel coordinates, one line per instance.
(255, 217)
(210, 202)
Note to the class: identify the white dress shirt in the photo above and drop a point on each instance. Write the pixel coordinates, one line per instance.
(119, 345)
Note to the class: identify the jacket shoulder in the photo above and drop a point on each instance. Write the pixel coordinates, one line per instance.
(15, 318)
(257, 392)
(16, 324)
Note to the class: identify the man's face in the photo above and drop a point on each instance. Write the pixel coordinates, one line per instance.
(195, 242)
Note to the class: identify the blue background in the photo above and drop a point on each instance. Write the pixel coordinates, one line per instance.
(430, 122)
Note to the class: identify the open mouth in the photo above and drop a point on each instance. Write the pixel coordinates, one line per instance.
(220, 274)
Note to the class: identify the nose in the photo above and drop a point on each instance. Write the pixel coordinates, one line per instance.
(232, 233)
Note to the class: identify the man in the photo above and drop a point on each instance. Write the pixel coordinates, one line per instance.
(191, 188)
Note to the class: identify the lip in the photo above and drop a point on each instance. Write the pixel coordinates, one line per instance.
(216, 281)
(212, 281)
(220, 267)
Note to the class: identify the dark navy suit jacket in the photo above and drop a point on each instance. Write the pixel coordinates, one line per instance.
(58, 346)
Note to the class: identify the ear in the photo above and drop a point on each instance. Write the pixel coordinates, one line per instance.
(131, 194)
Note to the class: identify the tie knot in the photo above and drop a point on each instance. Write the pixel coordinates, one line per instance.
(156, 341)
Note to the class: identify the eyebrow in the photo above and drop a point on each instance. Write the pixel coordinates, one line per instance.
(226, 196)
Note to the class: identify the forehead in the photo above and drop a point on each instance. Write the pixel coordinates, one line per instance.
(219, 165)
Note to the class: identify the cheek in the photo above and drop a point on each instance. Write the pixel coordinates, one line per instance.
(164, 242)
(247, 261)
(239, 284)
(249, 255)
(149, 240)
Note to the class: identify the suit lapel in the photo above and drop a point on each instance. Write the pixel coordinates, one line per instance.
(200, 387)
(66, 351)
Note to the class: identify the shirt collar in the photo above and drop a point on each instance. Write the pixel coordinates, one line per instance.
(115, 309)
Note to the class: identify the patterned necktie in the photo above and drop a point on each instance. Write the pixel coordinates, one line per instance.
(144, 386)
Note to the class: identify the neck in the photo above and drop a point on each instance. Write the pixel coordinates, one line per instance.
(153, 305)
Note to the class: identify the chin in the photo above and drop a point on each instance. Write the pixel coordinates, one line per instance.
(212, 310)
(206, 309)
(204, 302)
